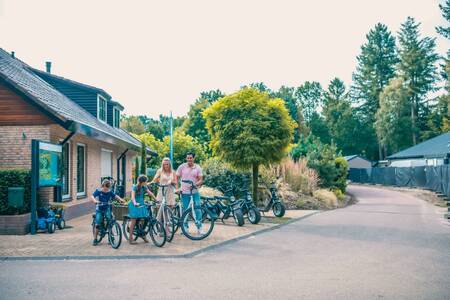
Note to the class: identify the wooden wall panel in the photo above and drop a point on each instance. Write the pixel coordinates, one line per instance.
(15, 110)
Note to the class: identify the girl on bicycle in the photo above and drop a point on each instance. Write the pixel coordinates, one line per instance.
(136, 207)
(103, 205)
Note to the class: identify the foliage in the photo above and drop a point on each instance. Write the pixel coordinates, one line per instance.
(418, 71)
(132, 124)
(183, 143)
(322, 159)
(327, 197)
(156, 145)
(310, 97)
(143, 166)
(136, 169)
(376, 66)
(393, 115)
(295, 173)
(249, 129)
(342, 172)
(14, 178)
(304, 146)
(445, 31)
(222, 176)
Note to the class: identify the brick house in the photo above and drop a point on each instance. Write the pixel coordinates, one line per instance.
(86, 120)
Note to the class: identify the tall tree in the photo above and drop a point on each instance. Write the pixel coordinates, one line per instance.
(340, 118)
(249, 129)
(418, 70)
(288, 94)
(195, 124)
(310, 97)
(393, 116)
(132, 124)
(445, 31)
(376, 66)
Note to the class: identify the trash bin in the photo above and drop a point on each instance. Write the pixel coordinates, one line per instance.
(16, 196)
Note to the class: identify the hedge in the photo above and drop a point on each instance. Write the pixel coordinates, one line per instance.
(14, 178)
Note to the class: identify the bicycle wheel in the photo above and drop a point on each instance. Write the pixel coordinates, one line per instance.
(176, 216)
(254, 215)
(126, 228)
(169, 224)
(197, 230)
(157, 233)
(238, 217)
(114, 235)
(278, 209)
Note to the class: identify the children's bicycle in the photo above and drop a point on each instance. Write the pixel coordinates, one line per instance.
(108, 226)
(146, 226)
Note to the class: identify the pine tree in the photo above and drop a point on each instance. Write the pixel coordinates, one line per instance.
(418, 70)
(376, 66)
(445, 31)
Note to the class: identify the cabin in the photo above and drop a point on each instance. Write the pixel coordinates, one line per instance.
(84, 119)
(432, 152)
(358, 162)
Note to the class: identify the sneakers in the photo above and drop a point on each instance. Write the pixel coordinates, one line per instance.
(200, 231)
(95, 242)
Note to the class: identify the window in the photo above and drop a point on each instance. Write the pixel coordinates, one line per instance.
(116, 117)
(106, 163)
(66, 171)
(81, 170)
(101, 108)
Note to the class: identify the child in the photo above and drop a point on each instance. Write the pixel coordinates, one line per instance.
(103, 205)
(136, 207)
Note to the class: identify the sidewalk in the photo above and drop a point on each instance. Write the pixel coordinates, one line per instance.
(76, 240)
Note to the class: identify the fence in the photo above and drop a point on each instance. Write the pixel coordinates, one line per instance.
(428, 177)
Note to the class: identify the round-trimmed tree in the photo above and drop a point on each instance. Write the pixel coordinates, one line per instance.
(249, 129)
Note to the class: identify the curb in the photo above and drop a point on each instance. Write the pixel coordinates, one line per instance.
(170, 256)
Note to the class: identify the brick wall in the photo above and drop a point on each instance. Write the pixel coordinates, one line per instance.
(15, 145)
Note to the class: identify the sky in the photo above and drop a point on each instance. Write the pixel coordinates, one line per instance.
(157, 56)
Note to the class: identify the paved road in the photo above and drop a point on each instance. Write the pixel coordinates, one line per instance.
(388, 246)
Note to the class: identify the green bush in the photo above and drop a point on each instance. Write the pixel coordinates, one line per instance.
(342, 173)
(219, 175)
(14, 178)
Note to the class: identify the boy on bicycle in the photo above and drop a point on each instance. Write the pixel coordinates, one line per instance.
(103, 205)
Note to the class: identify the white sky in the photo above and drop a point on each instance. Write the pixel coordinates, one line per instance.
(157, 56)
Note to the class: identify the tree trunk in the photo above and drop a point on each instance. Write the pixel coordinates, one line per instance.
(413, 122)
(380, 151)
(255, 168)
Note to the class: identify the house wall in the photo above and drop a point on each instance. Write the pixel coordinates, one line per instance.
(359, 163)
(417, 162)
(16, 111)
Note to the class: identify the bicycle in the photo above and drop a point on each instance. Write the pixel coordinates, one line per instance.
(274, 203)
(165, 213)
(249, 208)
(224, 211)
(108, 226)
(201, 216)
(146, 226)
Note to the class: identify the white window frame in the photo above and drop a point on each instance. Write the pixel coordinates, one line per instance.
(115, 108)
(69, 185)
(98, 108)
(85, 170)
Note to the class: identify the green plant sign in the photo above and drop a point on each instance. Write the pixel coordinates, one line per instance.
(50, 164)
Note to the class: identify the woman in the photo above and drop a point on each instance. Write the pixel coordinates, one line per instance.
(136, 207)
(166, 176)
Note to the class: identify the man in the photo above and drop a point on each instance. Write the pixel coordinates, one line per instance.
(191, 171)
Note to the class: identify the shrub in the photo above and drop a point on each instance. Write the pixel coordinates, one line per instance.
(297, 174)
(221, 176)
(339, 194)
(14, 178)
(342, 172)
(327, 197)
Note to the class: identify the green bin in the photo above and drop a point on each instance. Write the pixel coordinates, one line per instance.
(16, 196)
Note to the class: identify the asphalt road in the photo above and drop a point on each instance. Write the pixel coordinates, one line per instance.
(388, 246)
